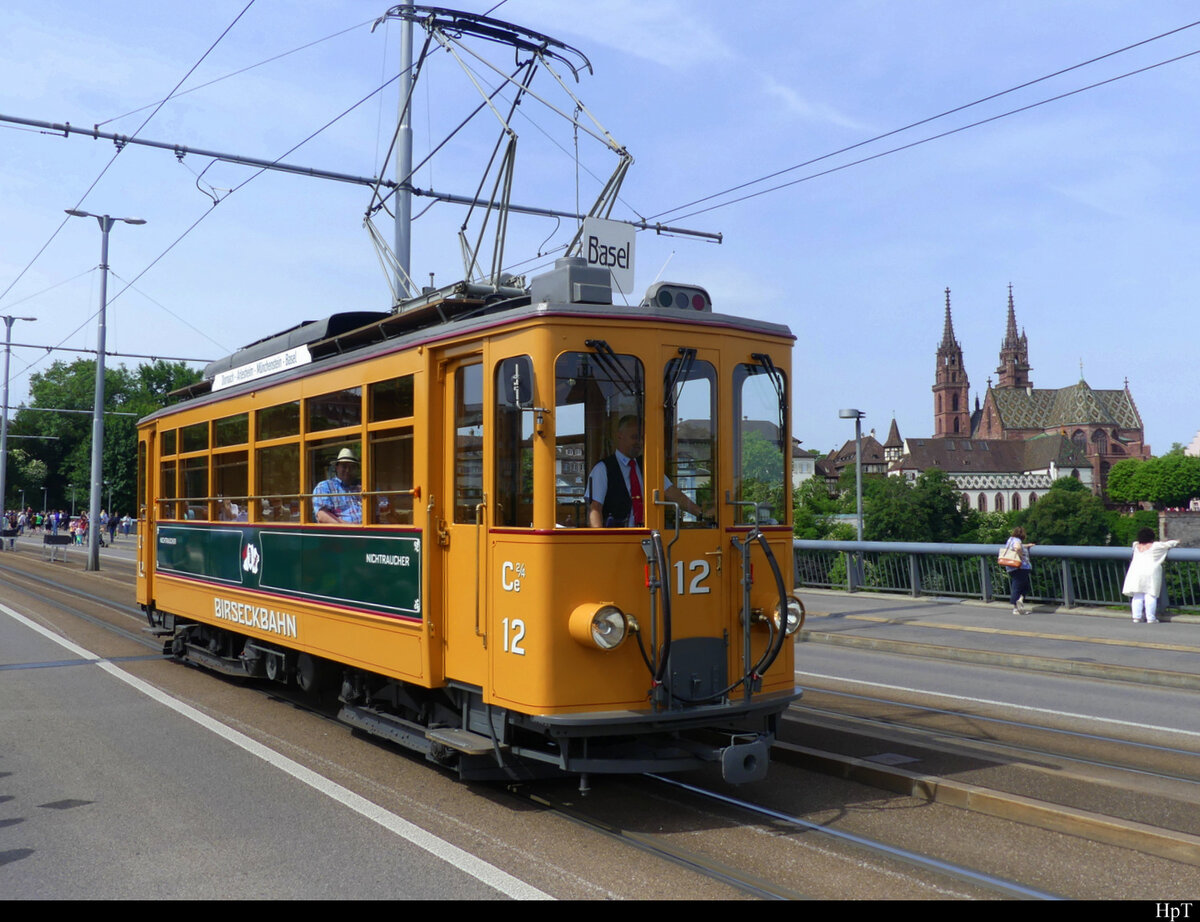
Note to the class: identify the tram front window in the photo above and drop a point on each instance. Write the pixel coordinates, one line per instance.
(760, 417)
(595, 394)
(690, 438)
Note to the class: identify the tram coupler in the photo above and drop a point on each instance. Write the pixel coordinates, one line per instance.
(744, 762)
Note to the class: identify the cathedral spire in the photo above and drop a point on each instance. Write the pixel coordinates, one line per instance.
(948, 340)
(1010, 333)
(1014, 352)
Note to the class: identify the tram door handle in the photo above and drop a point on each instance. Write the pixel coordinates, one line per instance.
(719, 554)
(443, 535)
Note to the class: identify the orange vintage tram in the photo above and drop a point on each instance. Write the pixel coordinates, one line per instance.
(469, 608)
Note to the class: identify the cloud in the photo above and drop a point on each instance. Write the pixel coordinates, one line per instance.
(794, 104)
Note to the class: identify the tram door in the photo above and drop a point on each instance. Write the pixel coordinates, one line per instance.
(461, 514)
(699, 569)
(146, 463)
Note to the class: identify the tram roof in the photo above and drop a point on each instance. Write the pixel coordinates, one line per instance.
(377, 333)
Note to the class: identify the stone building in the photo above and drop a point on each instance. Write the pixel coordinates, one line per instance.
(1103, 425)
(997, 476)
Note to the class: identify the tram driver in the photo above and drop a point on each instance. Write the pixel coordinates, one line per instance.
(615, 497)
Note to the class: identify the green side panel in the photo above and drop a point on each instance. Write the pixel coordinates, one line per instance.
(380, 572)
(338, 566)
(213, 553)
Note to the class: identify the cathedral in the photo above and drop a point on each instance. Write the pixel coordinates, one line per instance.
(1103, 426)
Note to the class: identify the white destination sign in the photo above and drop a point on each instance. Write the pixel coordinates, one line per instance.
(609, 245)
(272, 364)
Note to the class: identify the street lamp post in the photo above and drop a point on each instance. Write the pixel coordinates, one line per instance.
(106, 222)
(857, 416)
(8, 322)
(44, 489)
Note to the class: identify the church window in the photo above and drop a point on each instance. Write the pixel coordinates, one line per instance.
(1079, 439)
(1032, 498)
(1016, 502)
(999, 502)
(982, 503)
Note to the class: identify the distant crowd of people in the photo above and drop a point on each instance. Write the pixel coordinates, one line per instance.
(57, 522)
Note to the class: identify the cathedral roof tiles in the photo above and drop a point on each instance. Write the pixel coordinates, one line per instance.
(1051, 408)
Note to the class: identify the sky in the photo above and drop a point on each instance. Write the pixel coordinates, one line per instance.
(1085, 205)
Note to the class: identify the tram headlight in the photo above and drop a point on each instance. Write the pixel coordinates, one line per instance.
(600, 627)
(795, 616)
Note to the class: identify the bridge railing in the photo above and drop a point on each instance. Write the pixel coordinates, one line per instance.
(1067, 576)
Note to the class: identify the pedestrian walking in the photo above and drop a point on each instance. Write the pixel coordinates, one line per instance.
(1020, 576)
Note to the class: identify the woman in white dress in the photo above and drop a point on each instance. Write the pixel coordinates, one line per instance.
(1143, 582)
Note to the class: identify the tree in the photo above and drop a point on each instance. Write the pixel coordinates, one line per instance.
(938, 503)
(1122, 484)
(1172, 480)
(988, 527)
(927, 510)
(813, 509)
(1123, 529)
(1067, 514)
(62, 442)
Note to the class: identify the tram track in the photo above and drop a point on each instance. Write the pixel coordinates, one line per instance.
(1007, 747)
(955, 872)
(1122, 794)
(49, 592)
(725, 845)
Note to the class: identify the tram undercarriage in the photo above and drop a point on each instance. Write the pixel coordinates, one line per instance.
(454, 728)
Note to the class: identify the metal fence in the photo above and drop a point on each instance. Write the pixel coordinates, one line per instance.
(1067, 576)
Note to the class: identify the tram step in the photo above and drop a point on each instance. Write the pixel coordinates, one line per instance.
(464, 741)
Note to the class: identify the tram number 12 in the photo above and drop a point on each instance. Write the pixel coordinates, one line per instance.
(696, 586)
(514, 637)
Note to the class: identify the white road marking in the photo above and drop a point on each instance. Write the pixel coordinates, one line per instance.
(464, 861)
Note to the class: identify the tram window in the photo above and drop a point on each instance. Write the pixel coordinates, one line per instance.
(468, 442)
(391, 399)
(335, 410)
(690, 433)
(760, 430)
(277, 471)
(391, 477)
(232, 430)
(230, 481)
(193, 472)
(323, 469)
(194, 437)
(166, 491)
(167, 443)
(513, 444)
(278, 422)
(592, 393)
